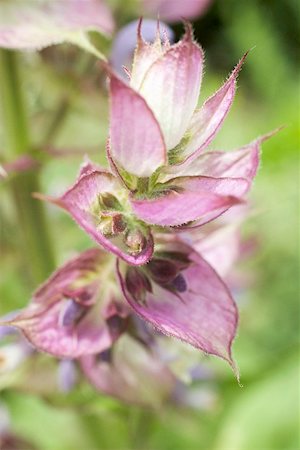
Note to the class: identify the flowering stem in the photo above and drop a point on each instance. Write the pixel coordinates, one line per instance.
(31, 214)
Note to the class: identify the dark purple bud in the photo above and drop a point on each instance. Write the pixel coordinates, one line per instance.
(137, 284)
(117, 325)
(181, 259)
(162, 271)
(105, 356)
(179, 283)
(71, 313)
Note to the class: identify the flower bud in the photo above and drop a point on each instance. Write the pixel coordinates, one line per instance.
(135, 240)
(137, 284)
(162, 271)
(111, 224)
(109, 201)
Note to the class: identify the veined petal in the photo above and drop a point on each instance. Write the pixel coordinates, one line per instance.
(219, 247)
(108, 229)
(130, 372)
(242, 163)
(206, 121)
(191, 199)
(33, 24)
(203, 315)
(137, 143)
(171, 87)
(65, 317)
(146, 53)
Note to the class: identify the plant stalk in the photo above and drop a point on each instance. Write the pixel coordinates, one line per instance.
(34, 236)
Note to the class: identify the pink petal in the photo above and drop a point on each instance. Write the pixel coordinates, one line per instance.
(144, 56)
(204, 315)
(242, 163)
(34, 25)
(220, 247)
(130, 373)
(206, 122)
(171, 87)
(175, 10)
(137, 143)
(82, 202)
(196, 197)
(64, 318)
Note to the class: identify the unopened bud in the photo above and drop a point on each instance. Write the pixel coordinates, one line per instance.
(137, 284)
(108, 201)
(179, 283)
(111, 224)
(136, 241)
(162, 271)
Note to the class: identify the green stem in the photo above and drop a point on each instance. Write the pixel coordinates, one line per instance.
(34, 237)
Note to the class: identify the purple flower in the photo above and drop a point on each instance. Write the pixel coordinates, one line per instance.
(198, 310)
(68, 316)
(161, 174)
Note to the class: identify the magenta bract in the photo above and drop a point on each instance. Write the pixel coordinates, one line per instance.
(68, 317)
(188, 301)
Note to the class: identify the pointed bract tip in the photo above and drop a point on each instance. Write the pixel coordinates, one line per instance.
(48, 198)
(239, 66)
(189, 32)
(140, 38)
(235, 370)
(272, 133)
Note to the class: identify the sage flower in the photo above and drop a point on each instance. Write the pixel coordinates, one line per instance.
(161, 175)
(66, 318)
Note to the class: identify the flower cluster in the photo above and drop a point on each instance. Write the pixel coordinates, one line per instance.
(162, 186)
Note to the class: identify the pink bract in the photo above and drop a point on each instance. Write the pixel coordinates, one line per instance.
(194, 306)
(67, 316)
(33, 24)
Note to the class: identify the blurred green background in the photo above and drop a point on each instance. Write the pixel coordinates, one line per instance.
(264, 414)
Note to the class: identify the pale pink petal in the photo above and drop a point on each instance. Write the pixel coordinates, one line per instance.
(201, 313)
(82, 203)
(239, 163)
(171, 87)
(139, 41)
(137, 143)
(34, 24)
(130, 372)
(145, 55)
(206, 121)
(191, 199)
(220, 247)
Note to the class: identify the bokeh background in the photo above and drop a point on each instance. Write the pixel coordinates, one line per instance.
(264, 413)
